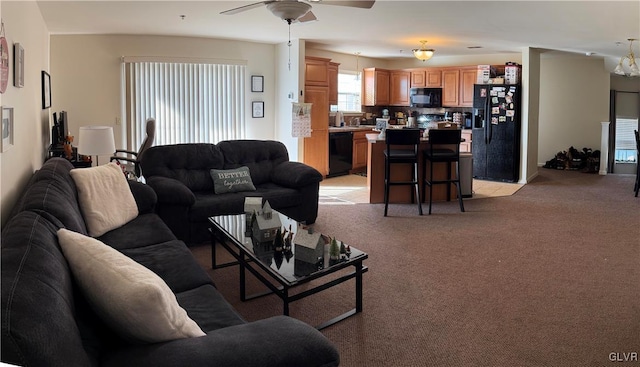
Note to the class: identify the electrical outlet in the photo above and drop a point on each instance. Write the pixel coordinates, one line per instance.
(118, 120)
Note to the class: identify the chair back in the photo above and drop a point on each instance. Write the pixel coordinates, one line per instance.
(445, 136)
(637, 140)
(402, 136)
(148, 140)
(444, 145)
(402, 141)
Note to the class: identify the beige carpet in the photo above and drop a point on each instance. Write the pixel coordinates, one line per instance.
(549, 276)
(352, 189)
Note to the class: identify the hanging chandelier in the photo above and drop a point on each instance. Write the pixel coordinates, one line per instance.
(423, 53)
(619, 70)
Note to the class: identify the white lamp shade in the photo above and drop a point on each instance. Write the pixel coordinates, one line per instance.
(96, 140)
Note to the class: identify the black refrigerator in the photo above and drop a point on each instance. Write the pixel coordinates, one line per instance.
(496, 132)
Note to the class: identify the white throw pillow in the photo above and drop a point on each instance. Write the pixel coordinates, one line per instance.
(130, 298)
(105, 198)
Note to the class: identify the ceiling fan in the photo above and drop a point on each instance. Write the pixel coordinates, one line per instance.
(298, 10)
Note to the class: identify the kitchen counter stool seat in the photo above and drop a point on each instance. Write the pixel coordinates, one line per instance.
(444, 147)
(402, 147)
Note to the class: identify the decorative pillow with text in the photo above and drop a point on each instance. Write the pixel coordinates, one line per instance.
(105, 198)
(130, 298)
(232, 180)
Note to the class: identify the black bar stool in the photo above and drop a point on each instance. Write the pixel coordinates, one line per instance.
(402, 147)
(450, 153)
(636, 188)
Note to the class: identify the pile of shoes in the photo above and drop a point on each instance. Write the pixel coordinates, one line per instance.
(586, 160)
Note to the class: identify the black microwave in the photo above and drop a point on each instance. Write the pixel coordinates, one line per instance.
(425, 97)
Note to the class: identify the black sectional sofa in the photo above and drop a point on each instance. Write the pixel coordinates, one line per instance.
(47, 321)
(180, 175)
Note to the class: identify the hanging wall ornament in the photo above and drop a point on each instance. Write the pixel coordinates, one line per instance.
(4, 61)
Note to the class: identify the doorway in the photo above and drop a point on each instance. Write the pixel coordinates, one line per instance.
(625, 115)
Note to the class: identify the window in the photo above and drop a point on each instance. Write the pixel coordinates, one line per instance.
(626, 141)
(191, 102)
(349, 89)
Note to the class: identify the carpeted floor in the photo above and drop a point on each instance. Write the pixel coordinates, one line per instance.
(548, 276)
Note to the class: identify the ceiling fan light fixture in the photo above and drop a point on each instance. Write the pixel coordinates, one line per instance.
(631, 57)
(423, 53)
(288, 10)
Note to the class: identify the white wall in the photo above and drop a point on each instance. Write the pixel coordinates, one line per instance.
(287, 92)
(23, 23)
(574, 99)
(87, 81)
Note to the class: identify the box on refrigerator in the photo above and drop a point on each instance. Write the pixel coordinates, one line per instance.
(512, 73)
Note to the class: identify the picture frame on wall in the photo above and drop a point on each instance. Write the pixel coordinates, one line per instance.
(257, 109)
(46, 90)
(257, 83)
(18, 62)
(6, 130)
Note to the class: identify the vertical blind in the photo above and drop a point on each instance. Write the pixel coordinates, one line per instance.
(191, 102)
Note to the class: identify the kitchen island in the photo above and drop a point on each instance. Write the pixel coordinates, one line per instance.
(402, 172)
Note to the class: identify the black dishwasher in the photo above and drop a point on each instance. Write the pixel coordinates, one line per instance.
(340, 153)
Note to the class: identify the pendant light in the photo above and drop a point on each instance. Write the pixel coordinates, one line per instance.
(619, 70)
(357, 66)
(423, 53)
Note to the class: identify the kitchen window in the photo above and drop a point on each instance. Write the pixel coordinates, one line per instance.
(349, 89)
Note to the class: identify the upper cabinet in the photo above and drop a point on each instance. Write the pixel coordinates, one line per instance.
(316, 71)
(375, 87)
(426, 78)
(468, 77)
(399, 87)
(333, 83)
(450, 87)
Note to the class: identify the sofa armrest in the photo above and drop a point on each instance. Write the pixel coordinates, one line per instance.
(145, 196)
(171, 191)
(295, 175)
(276, 341)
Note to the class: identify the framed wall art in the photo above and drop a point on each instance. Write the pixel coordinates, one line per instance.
(6, 131)
(257, 83)
(18, 65)
(46, 90)
(257, 109)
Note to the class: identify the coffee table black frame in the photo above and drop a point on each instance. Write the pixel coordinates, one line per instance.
(247, 260)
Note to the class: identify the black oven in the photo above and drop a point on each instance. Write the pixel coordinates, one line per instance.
(425, 97)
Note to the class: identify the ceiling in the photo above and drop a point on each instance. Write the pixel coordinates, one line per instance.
(390, 29)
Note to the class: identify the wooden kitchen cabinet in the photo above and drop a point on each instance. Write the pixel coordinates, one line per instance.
(450, 87)
(375, 87)
(399, 84)
(426, 78)
(468, 76)
(316, 147)
(316, 71)
(434, 78)
(419, 78)
(360, 150)
(333, 83)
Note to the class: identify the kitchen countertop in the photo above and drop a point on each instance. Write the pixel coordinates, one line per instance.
(334, 129)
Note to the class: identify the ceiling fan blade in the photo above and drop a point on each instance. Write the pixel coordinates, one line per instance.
(244, 8)
(309, 17)
(364, 4)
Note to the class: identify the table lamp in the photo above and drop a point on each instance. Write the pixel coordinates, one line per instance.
(96, 140)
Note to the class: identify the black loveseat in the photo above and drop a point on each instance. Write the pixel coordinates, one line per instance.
(46, 320)
(180, 175)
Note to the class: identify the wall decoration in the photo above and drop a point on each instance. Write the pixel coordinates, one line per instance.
(18, 65)
(301, 120)
(46, 90)
(4, 62)
(6, 131)
(257, 83)
(257, 109)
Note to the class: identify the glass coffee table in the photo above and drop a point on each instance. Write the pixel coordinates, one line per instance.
(276, 265)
